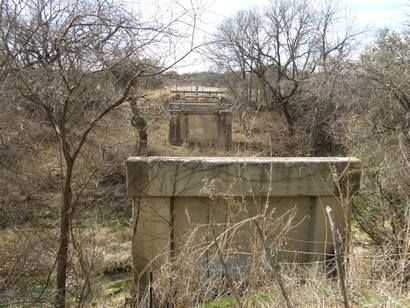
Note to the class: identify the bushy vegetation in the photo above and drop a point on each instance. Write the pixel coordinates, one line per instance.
(80, 92)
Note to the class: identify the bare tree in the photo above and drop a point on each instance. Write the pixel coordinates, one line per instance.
(60, 56)
(230, 50)
(283, 46)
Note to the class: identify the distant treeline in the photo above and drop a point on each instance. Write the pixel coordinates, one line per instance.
(205, 79)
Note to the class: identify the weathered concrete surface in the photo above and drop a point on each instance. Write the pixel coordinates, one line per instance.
(200, 123)
(170, 195)
(244, 176)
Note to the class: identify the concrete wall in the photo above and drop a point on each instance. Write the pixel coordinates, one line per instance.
(200, 123)
(170, 195)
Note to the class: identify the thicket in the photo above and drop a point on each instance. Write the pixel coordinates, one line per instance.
(341, 106)
(61, 68)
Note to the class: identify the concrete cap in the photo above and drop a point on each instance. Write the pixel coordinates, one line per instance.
(198, 107)
(242, 176)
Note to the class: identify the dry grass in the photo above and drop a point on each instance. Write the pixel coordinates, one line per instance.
(30, 197)
(186, 281)
(254, 133)
(30, 187)
(25, 256)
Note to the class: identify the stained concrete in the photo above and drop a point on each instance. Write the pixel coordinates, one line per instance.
(200, 123)
(172, 195)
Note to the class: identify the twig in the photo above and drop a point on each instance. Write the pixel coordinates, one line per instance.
(274, 265)
(337, 245)
(227, 274)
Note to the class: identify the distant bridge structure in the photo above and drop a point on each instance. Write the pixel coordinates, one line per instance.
(199, 91)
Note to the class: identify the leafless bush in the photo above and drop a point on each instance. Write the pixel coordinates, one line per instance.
(25, 254)
(377, 131)
(194, 272)
(279, 48)
(65, 61)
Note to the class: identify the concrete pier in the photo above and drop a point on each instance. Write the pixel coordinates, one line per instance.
(169, 194)
(200, 124)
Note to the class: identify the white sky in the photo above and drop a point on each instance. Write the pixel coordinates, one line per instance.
(369, 16)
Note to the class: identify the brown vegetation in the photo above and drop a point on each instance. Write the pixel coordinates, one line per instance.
(66, 129)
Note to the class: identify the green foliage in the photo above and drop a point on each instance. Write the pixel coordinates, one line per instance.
(225, 302)
(118, 287)
(252, 300)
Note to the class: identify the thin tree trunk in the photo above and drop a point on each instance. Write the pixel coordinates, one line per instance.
(250, 83)
(289, 119)
(314, 133)
(142, 132)
(62, 255)
(139, 123)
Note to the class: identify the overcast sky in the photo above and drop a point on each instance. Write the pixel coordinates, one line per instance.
(369, 16)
